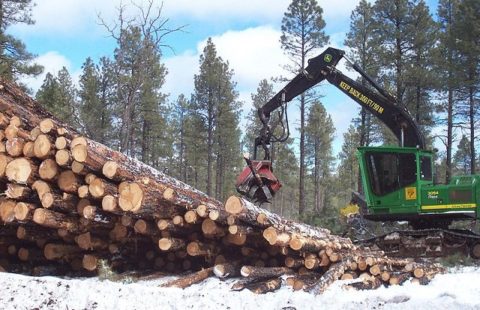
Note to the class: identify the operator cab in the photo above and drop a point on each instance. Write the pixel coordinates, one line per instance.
(391, 177)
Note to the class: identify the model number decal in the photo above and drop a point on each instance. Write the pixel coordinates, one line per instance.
(432, 194)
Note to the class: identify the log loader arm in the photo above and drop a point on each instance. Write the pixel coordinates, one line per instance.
(257, 181)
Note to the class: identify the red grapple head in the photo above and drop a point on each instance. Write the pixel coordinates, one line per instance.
(257, 181)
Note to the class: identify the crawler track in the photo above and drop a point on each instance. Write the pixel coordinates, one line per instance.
(434, 242)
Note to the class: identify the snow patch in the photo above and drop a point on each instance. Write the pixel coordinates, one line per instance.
(458, 289)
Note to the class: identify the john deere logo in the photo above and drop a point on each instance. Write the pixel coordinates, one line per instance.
(327, 58)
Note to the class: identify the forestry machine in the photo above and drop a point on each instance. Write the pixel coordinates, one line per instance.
(397, 181)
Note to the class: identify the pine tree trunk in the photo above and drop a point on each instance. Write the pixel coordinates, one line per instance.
(301, 189)
(472, 129)
(448, 172)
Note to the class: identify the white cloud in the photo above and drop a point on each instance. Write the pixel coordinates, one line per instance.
(181, 69)
(253, 54)
(70, 17)
(52, 62)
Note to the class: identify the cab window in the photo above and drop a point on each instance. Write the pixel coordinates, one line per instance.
(389, 172)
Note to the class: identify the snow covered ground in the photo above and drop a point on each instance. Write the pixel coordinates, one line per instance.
(458, 289)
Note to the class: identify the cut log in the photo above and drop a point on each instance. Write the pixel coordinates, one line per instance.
(370, 284)
(79, 168)
(210, 228)
(398, 278)
(98, 188)
(225, 270)
(4, 160)
(145, 228)
(240, 229)
(69, 182)
(14, 147)
(53, 251)
(130, 196)
(202, 211)
(332, 274)
(109, 203)
(191, 217)
(275, 237)
(95, 156)
(171, 244)
(90, 262)
(18, 192)
(7, 210)
(237, 239)
(30, 255)
(61, 143)
(28, 149)
(263, 287)
(46, 125)
(218, 215)
(164, 224)
(190, 279)
(197, 248)
(22, 171)
(312, 261)
(33, 234)
(63, 158)
(24, 211)
(264, 272)
(109, 169)
(65, 202)
(43, 147)
(83, 192)
(41, 187)
(53, 219)
(48, 169)
(127, 221)
(294, 262)
(249, 213)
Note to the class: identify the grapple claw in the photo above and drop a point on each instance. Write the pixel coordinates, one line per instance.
(257, 181)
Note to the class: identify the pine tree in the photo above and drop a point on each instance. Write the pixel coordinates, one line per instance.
(95, 112)
(348, 173)
(447, 69)
(302, 32)
(363, 49)
(215, 101)
(253, 125)
(179, 119)
(319, 132)
(285, 168)
(15, 60)
(462, 158)
(58, 95)
(420, 77)
(140, 111)
(467, 30)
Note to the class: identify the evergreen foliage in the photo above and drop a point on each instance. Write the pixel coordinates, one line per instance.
(15, 60)
(302, 34)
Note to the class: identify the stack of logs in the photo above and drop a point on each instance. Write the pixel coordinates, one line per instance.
(70, 203)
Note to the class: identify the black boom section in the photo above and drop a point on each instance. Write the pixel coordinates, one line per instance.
(381, 104)
(394, 116)
(314, 73)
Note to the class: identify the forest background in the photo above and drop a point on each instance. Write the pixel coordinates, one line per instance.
(427, 54)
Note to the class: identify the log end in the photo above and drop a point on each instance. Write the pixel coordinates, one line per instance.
(109, 203)
(234, 205)
(109, 169)
(80, 153)
(130, 196)
(89, 262)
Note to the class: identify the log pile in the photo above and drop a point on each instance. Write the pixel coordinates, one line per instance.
(71, 204)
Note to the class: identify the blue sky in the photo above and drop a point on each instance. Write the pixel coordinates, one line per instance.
(245, 32)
